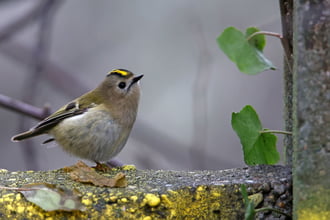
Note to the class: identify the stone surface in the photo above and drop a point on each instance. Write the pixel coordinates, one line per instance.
(155, 194)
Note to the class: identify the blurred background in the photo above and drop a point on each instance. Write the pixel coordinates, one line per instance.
(54, 51)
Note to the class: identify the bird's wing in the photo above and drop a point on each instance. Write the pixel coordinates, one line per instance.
(71, 109)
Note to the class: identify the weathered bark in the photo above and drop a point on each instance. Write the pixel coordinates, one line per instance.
(312, 109)
(286, 7)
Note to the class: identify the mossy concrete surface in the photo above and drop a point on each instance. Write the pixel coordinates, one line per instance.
(152, 194)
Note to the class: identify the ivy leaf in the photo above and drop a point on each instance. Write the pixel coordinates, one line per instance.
(247, 55)
(258, 41)
(258, 147)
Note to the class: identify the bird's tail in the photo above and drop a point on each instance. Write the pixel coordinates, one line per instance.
(25, 135)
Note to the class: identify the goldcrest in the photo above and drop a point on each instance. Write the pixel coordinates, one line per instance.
(96, 125)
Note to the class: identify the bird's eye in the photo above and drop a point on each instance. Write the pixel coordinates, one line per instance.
(122, 85)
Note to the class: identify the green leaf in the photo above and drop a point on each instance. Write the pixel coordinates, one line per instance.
(258, 41)
(258, 148)
(249, 205)
(247, 55)
(250, 212)
(244, 194)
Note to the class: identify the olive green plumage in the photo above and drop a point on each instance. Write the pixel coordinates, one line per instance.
(96, 125)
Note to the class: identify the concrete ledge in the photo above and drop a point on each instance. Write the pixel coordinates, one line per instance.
(157, 194)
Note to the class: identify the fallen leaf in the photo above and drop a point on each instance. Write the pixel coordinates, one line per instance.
(49, 197)
(80, 172)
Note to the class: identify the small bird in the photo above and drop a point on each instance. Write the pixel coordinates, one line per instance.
(96, 125)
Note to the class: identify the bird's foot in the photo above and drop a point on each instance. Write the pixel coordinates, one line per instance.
(102, 167)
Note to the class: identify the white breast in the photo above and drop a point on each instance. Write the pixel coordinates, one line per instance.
(93, 135)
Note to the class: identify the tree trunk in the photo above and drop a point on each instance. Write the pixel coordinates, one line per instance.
(311, 161)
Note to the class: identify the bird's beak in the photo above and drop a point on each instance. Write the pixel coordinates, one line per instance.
(136, 79)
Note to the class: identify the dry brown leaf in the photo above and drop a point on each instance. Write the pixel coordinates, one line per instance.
(80, 172)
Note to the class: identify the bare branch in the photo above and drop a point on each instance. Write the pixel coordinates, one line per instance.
(23, 108)
(39, 53)
(286, 7)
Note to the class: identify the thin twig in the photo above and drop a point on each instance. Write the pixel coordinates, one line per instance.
(286, 7)
(24, 108)
(41, 51)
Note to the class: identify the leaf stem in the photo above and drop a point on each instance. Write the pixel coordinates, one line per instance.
(276, 132)
(273, 210)
(273, 34)
(279, 36)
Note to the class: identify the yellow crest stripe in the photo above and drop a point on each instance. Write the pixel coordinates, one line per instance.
(120, 72)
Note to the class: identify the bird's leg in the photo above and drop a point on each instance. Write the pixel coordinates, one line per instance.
(102, 167)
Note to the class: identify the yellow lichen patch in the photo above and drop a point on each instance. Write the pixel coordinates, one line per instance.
(151, 199)
(165, 199)
(172, 192)
(133, 198)
(86, 201)
(113, 198)
(200, 192)
(108, 211)
(124, 200)
(216, 194)
(89, 194)
(308, 214)
(204, 203)
(132, 210)
(147, 218)
(20, 209)
(18, 196)
(8, 197)
(129, 167)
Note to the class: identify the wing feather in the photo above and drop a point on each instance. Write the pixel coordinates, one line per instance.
(67, 111)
